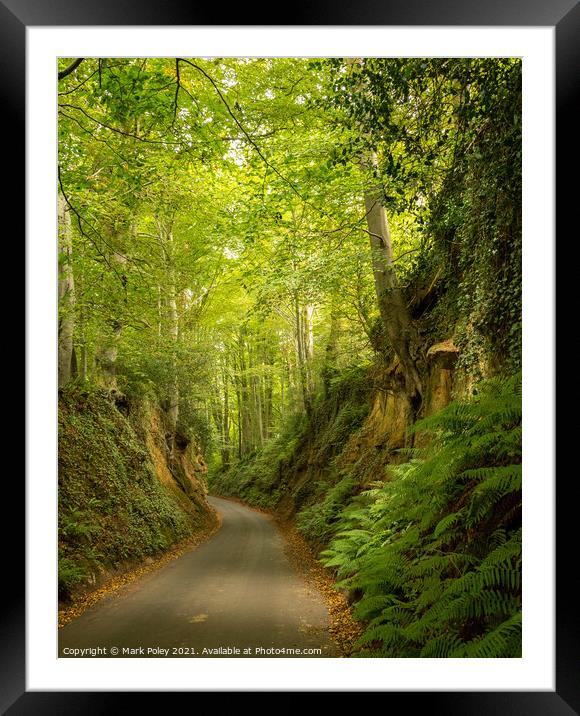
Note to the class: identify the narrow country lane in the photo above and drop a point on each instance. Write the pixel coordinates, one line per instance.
(236, 591)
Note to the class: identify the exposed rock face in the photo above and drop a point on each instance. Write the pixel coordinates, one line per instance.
(385, 428)
(445, 353)
(182, 473)
(369, 449)
(441, 359)
(386, 424)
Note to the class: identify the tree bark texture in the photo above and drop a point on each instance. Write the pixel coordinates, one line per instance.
(391, 303)
(66, 294)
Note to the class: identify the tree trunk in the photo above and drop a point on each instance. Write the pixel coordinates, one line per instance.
(246, 443)
(108, 351)
(66, 294)
(218, 417)
(240, 436)
(83, 367)
(256, 390)
(308, 327)
(392, 307)
(165, 233)
(226, 423)
(173, 408)
(221, 412)
(107, 356)
(301, 336)
(159, 312)
(74, 365)
(282, 393)
(267, 392)
(329, 367)
(80, 328)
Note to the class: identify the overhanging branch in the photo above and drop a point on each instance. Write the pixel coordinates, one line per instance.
(71, 68)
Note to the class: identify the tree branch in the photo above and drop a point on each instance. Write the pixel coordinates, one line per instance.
(74, 89)
(115, 129)
(246, 134)
(71, 68)
(175, 101)
(80, 221)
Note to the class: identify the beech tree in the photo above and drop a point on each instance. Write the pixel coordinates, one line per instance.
(235, 232)
(66, 295)
(393, 309)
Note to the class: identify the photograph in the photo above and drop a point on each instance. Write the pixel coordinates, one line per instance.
(289, 357)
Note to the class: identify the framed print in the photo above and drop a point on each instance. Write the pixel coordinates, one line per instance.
(542, 677)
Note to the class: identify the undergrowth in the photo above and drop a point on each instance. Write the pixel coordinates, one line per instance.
(306, 445)
(435, 551)
(318, 521)
(112, 506)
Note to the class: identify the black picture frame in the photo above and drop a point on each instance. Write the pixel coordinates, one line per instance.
(564, 16)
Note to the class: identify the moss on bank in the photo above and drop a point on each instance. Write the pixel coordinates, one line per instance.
(115, 508)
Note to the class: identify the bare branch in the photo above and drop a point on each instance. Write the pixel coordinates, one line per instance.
(71, 68)
(115, 129)
(177, 86)
(74, 89)
(80, 221)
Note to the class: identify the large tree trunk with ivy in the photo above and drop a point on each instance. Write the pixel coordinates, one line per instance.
(392, 306)
(66, 294)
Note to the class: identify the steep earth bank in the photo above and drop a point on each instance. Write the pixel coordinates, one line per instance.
(123, 498)
(355, 432)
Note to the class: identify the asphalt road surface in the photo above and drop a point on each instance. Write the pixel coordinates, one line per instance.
(233, 593)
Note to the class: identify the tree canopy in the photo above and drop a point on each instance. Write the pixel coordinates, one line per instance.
(215, 246)
(312, 269)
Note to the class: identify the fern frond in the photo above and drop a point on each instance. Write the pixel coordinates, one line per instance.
(505, 552)
(447, 522)
(387, 634)
(441, 646)
(496, 644)
(489, 603)
(369, 607)
(433, 549)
